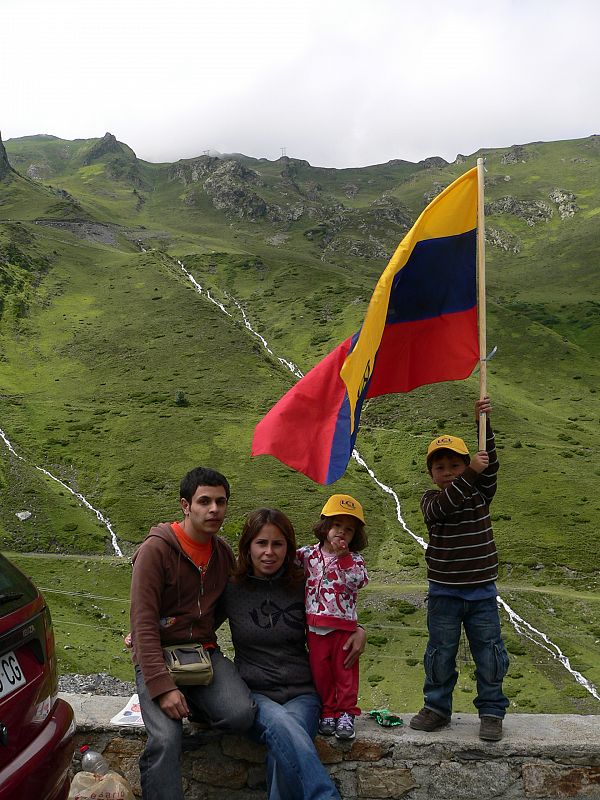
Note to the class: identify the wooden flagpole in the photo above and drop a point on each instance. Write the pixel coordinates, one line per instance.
(481, 298)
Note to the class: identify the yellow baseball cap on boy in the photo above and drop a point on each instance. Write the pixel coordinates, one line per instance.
(343, 504)
(445, 442)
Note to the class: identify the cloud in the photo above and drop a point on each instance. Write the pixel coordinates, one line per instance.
(340, 83)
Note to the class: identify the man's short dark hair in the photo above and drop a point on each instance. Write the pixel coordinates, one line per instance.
(201, 476)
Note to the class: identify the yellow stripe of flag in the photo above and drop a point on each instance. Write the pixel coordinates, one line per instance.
(451, 213)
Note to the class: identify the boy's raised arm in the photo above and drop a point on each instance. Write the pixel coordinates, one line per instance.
(487, 483)
(437, 505)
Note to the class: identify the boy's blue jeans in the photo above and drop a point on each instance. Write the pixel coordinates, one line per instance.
(481, 621)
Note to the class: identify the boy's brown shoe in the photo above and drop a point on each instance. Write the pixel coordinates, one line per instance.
(490, 729)
(428, 720)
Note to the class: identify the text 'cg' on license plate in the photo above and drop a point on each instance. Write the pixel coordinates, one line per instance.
(11, 674)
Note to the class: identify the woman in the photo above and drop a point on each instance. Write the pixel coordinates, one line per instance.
(265, 605)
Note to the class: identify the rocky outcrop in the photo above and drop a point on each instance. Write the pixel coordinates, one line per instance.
(107, 144)
(503, 240)
(387, 210)
(193, 171)
(6, 171)
(380, 226)
(567, 207)
(89, 231)
(290, 167)
(121, 163)
(350, 189)
(296, 162)
(370, 248)
(232, 187)
(288, 212)
(516, 155)
(433, 162)
(39, 172)
(530, 211)
(494, 180)
(229, 189)
(312, 190)
(433, 192)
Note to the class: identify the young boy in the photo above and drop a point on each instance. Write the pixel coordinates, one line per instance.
(462, 565)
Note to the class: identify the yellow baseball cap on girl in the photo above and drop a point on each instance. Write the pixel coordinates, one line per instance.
(444, 442)
(343, 504)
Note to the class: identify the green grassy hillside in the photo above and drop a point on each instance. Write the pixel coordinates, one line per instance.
(117, 375)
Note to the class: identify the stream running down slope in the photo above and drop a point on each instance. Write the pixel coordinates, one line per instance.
(101, 518)
(521, 626)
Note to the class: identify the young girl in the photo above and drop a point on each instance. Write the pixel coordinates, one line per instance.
(334, 573)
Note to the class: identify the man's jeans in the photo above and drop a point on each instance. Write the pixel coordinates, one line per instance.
(294, 770)
(226, 703)
(482, 627)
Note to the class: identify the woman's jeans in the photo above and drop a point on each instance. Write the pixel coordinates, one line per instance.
(481, 621)
(226, 703)
(294, 770)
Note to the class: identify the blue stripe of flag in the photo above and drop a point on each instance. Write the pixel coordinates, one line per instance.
(438, 278)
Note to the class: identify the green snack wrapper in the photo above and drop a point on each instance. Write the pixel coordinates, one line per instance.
(385, 718)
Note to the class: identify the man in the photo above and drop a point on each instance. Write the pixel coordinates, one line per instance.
(179, 572)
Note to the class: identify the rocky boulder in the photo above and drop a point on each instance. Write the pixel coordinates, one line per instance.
(530, 211)
(567, 207)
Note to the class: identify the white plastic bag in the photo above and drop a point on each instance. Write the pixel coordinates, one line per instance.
(112, 786)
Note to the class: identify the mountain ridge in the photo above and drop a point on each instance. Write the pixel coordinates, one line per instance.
(117, 375)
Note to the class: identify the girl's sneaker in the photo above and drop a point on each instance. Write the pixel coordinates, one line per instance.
(345, 726)
(327, 726)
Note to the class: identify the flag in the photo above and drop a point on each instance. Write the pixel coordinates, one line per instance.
(420, 328)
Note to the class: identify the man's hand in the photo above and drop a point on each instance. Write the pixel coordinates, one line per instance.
(480, 461)
(355, 645)
(174, 704)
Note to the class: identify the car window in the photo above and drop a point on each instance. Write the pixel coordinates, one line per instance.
(15, 589)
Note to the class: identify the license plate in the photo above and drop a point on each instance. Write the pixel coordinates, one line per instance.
(11, 674)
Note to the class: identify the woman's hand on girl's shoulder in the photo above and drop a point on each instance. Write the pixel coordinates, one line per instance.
(355, 645)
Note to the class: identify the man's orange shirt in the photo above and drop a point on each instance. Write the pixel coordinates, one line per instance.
(199, 553)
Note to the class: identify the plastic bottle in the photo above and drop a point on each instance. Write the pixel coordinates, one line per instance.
(92, 761)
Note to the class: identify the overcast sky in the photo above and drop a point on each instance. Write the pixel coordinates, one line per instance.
(338, 82)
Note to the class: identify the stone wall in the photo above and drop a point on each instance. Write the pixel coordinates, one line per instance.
(540, 756)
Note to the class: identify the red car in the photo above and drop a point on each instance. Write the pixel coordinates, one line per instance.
(36, 727)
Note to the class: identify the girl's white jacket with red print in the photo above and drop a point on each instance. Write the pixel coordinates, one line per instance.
(331, 591)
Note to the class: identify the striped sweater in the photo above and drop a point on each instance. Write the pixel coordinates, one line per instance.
(461, 550)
